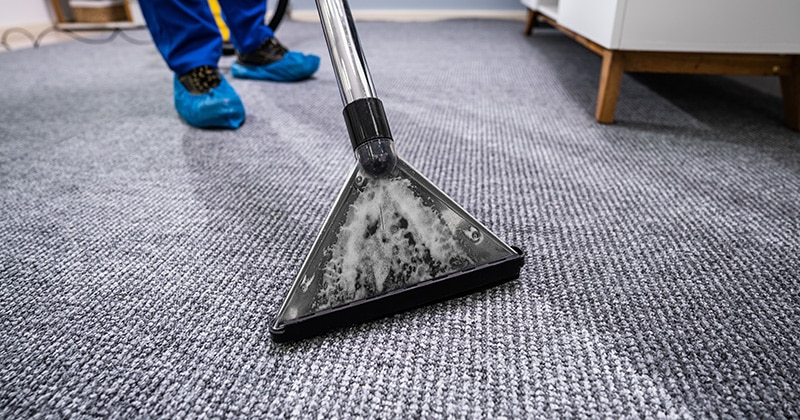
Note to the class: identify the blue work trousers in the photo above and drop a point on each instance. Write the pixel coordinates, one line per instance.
(187, 36)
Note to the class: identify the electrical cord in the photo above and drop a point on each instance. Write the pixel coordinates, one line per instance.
(124, 35)
(4, 40)
(36, 41)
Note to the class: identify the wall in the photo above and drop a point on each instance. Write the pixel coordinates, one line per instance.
(25, 12)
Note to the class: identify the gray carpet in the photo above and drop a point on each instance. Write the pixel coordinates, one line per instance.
(143, 260)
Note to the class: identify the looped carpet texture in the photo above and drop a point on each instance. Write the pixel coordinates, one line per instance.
(142, 260)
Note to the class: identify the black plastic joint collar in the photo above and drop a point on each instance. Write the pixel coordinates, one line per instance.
(366, 121)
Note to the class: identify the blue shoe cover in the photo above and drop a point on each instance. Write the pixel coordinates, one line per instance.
(293, 67)
(219, 108)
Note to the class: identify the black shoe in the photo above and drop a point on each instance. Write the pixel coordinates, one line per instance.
(269, 52)
(200, 80)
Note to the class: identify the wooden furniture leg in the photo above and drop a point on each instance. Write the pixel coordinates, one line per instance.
(532, 16)
(617, 62)
(790, 88)
(128, 13)
(610, 81)
(60, 18)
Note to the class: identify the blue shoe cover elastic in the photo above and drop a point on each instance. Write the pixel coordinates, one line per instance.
(293, 67)
(219, 108)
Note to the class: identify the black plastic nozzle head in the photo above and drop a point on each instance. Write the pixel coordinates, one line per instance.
(377, 157)
(370, 136)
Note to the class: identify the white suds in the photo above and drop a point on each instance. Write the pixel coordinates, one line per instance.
(390, 239)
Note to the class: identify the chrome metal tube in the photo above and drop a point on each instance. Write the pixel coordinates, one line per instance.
(346, 55)
(363, 111)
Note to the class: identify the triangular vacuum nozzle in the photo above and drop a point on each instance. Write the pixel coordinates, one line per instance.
(390, 244)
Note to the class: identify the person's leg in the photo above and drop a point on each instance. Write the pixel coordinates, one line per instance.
(259, 55)
(184, 32)
(186, 35)
(245, 19)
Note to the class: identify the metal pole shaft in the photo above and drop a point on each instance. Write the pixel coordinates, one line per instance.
(363, 111)
(348, 60)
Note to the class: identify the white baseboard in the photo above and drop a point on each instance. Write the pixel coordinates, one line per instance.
(28, 26)
(20, 40)
(402, 15)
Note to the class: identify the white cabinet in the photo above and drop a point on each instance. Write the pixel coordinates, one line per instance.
(683, 36)
(598, 20)
(733, 26)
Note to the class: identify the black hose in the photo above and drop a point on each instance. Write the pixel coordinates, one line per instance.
(280, 10)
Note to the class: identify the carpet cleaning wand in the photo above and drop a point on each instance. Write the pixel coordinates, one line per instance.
(393, 241)
(363, 111)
